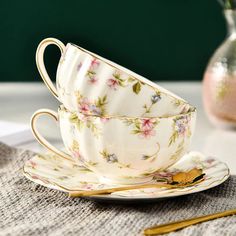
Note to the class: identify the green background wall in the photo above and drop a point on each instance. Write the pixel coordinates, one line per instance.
(162, 40)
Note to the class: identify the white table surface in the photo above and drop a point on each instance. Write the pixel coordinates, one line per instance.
(19, 100)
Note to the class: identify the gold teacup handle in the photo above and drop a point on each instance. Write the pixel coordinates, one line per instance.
(40, 62)
(40, 138)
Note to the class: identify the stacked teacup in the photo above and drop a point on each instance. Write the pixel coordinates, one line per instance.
(113, 121)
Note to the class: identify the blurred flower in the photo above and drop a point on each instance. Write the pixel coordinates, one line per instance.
(79, 66)
(147, 123)
(94, 63)
(147, 133)
(155, 98)
(111, 158)
(95, 110)
(113, 84)
(182, 125)
(32, 164)
(84, 105)
(93, 80)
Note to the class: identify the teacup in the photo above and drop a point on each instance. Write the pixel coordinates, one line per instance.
(91, 84)
(124, 150)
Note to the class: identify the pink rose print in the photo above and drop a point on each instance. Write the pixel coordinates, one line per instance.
(147, 133)
(76, 154)
(87, 106)
(113, 84)
(147, 123)
(84, 118)
(94, 64)
(84, 105)
(32, 164)
(93, 80)
(91, 73)
(145, 128)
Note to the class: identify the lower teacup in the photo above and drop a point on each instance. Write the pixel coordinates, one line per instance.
(125, 150)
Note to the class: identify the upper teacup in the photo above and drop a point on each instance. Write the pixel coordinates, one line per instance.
(93, 85)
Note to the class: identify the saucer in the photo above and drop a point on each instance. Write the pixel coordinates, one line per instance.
(61, 174)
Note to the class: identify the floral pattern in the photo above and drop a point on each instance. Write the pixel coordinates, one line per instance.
(97, 107)
(71, 176)
(32, 164)
(112, 158)
(144, 128)
(181, 128)
(91, 73)
(76, 153)
(94, 72)
(116, 81)
(185, 106)
(84, 121)
(154, 99)
(146, 140)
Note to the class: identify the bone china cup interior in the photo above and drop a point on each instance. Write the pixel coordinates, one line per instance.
(90, 84)
(122, 149)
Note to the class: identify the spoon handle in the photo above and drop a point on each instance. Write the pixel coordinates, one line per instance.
(86, 193)
(169, 227)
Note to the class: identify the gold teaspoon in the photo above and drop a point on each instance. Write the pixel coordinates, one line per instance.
(173, 226)
(179, 180)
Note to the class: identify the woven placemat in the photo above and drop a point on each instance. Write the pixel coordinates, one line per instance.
(30, 209)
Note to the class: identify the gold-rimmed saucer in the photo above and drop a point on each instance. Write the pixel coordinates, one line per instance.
(57, 173)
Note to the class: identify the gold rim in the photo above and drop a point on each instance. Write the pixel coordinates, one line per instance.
(40, 62)
(192, 111)
(104, 60)
(40, 138)
(187, 191)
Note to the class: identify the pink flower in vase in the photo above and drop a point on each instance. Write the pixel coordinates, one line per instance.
(113, 84)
